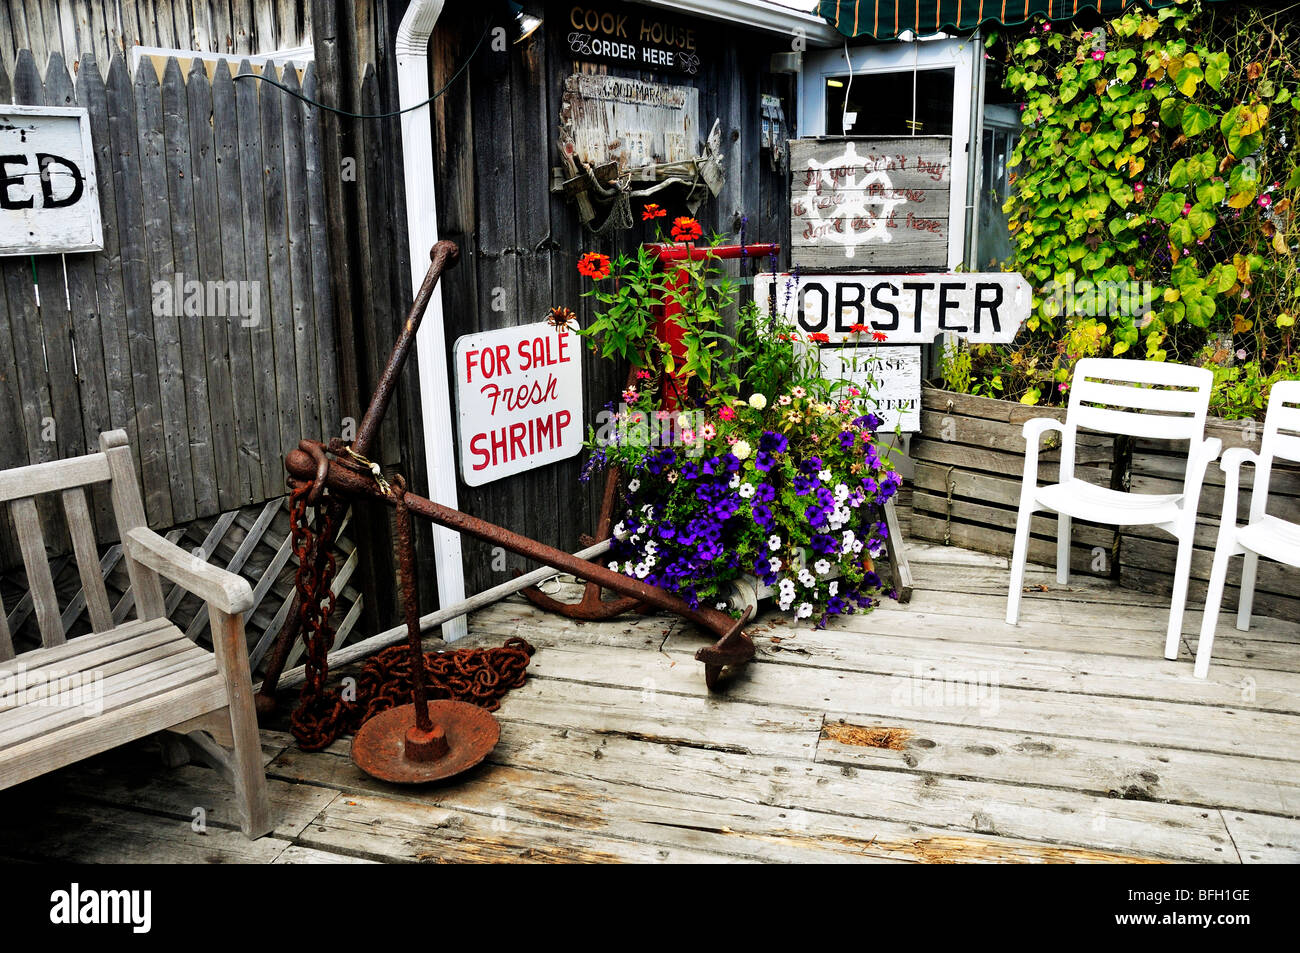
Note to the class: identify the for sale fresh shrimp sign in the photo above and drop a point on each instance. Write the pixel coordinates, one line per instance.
(519, 399)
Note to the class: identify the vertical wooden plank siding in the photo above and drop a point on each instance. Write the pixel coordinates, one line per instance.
(210, 192)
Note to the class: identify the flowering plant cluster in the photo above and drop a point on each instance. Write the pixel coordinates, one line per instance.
(780, 477)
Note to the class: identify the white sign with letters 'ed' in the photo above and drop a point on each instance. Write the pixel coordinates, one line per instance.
(890, 375)
(519, 397)
(986, 308)
(49, 201)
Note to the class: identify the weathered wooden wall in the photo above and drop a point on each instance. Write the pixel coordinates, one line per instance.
(105, 27)
(212, 181)
(495, 144)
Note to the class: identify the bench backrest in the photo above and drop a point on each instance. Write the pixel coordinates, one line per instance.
(20, 488)
(1140, 398)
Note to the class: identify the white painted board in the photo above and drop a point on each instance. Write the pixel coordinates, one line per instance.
(518, 400)
(986, 308)
(890, 374)
(49, 198)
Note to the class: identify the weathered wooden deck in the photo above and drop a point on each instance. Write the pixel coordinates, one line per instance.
(928, 732)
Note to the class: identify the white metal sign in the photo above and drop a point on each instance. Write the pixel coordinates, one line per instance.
(519, 398)
(49, 201)
(900, 309)
(891, 375)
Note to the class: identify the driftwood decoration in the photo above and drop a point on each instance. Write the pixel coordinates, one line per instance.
(616, 132)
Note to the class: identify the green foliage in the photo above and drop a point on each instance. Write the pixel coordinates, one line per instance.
(1163, 155)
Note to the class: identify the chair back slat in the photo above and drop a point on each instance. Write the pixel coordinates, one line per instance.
(1140, 398)
(1282, 422)
(81, 530)
(53, 476)
(6, 640)
(40, 583)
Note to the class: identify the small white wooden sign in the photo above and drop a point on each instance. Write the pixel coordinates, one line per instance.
(49, 200)
(986, 308)
(891, 375)
(519, 400)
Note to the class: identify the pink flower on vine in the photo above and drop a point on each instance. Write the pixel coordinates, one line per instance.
(1098, 55)
(1265, 200)
(1187, 207)
(1241, 354)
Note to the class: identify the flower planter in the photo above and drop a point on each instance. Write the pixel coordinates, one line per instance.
(969, 457)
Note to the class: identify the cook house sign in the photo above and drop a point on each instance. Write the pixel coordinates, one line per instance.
(645, 39)
(519, 400)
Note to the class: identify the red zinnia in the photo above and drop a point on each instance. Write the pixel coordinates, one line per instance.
(653, 211)
(594, 265)
(686, 229)
(858, 329)
(879, 336)
(819, 337)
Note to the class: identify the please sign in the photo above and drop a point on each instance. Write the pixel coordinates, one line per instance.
(49, 201)
(986, 308)
(891, 375)
(519, 400)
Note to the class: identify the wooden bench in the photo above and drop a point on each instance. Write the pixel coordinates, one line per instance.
(73, 698)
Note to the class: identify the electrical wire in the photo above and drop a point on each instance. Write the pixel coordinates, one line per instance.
(388, 115)
(848, 88)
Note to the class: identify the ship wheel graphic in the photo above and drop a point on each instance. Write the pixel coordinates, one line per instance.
(866, 206)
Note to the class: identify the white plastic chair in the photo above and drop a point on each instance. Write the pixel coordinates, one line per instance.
(1140, 399)
(1263, 535)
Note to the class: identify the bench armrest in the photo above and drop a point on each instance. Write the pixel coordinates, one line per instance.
(221, 589)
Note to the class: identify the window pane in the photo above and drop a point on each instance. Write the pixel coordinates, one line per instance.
(891, 104)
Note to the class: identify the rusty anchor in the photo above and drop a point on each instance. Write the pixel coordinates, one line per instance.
(347, 474)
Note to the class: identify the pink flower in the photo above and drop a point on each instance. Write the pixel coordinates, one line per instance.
(1098, 55)
(1047, 28)
(853, 391)
(798, 392)
(726, 413)
(732, 438)
(1187, 207)
(630, 395)
(688, 435)
(708, 432)
(1265, 200)
(783, 400)
(1241, 354)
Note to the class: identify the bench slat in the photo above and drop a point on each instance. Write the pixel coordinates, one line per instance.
(27, 524)
(87, 553)
(52, 476)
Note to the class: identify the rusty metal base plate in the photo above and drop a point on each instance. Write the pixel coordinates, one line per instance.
(379, 748)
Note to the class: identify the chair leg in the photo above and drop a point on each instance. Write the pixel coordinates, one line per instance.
(1063, 527)
(1246, 599)
(1182, 569)
(250, 778)
(1018, 557)
(1213, 600)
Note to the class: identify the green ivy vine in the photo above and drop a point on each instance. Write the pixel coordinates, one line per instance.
(1158, 153)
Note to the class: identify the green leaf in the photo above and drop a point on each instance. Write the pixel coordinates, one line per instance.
(1217, 67)
(1211, 193)
(1201, 218)
(1171, 112)
(1178, 176)
(1181, 234)
(1170, 206)
(1187, 79)
(1196, 119)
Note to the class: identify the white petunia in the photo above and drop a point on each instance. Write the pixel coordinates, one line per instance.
(841, 493)
(774, 542)
(633, 486)
(807, 578)
(613, 564)
(824, 476)
(746, 490)
(805, 610)
(720, 606)
(627, 568)
(834, 588)
(857, 546)
(735, 481)
(641, 570)
(784, 604)
(822, 567)
(774, 565)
